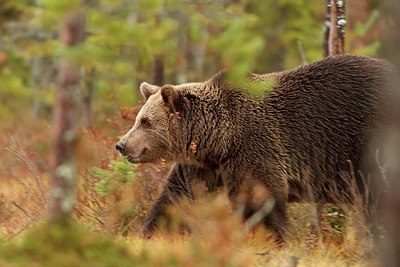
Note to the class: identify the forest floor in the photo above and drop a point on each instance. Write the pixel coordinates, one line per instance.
(114, 208)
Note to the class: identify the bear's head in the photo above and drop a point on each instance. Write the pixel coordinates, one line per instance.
(171, 122)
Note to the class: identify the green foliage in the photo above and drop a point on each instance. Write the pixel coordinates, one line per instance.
(335, 217)
(361, 29)
(116, 175)
(371, 49)
(238, 34)
(256, 88)
(60, 6)
(335, 223)
(9, 9)
(65, 244)
(284, 23)
(123, 40)
(13, 92)
(193, 38)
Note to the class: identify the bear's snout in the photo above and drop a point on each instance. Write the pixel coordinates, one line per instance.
(121, 148)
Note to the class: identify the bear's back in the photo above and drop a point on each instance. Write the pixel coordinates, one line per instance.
(326, 113)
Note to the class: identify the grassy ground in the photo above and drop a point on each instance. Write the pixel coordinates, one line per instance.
(110, 209)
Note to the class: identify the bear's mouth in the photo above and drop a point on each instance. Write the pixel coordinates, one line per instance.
(136, 158)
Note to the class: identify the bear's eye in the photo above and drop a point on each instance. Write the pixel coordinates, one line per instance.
(145, 123)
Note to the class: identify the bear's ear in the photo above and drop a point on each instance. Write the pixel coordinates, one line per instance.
(168, 94)
(219, 78)
(172, 97)
(148, 89)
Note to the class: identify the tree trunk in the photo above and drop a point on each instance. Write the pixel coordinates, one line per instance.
(200, 54)
(158, 71)
(327, 28)
(87, 96)
(183, 48)
(34, 81)
(335, 28)
(65, 120)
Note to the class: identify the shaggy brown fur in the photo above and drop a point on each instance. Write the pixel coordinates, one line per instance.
(298, 142)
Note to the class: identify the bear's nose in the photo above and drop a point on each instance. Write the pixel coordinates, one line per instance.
(120, 147)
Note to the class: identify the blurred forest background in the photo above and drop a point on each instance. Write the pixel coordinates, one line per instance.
(124, 43)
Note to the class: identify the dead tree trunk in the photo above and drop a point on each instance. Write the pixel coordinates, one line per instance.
(335, 28)
(65, 119)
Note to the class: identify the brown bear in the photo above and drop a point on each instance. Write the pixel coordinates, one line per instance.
(303, 140)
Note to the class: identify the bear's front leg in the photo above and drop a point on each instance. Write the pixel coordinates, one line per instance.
(179, 184)
(277, 221)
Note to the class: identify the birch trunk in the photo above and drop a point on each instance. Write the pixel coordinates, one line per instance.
(335, 28)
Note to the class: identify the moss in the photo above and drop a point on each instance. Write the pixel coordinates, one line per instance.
(65, 244)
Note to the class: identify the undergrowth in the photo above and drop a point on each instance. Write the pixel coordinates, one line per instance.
(67, 244)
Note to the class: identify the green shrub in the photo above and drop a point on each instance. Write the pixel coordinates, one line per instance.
(117, 174)
(64, 244)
